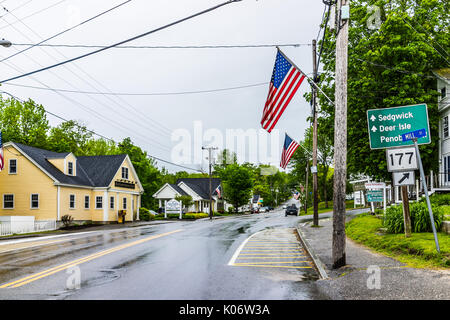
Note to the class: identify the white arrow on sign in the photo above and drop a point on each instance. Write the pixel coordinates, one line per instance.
(373, 118)
(374, 129)
(403, 178)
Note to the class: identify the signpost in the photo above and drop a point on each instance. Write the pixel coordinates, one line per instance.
(376, 192)
(387, 126)
(403, 178)
(401, 159)
(375, 195)
(173, 206)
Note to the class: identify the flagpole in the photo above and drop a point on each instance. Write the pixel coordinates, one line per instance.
(310, 80)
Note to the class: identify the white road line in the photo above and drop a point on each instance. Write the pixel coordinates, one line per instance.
(42, 238)
(236, 254)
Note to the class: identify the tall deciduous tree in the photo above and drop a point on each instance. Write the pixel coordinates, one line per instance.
(24, 122)
(237, 185)
(393, 48)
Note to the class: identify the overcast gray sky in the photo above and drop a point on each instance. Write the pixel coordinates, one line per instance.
(151, 120)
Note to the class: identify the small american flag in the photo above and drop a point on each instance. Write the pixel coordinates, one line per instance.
(218, 191)
(2, 162)
(289, 148)
(286, 79)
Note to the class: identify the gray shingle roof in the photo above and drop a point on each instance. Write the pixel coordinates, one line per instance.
(201, 185)
(95, 171)
(178, 189)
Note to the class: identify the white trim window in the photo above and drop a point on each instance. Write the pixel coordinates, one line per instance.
(12, 166)
(445, 127)
(124, 204)
(70, 168)
(34, 201)
(111, 202)
(71, 201)
(125, 173)
(8, 201)
(87, 201)
(98, 202)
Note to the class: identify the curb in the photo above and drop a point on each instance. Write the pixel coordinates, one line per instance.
(319, 265)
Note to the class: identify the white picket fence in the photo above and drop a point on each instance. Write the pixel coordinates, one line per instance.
(39, 225)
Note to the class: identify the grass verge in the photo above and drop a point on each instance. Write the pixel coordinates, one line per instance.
(418, 251)
(348, 205)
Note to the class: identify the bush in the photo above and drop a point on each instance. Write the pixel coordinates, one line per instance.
(145, 215)
(420, 218)
(230, 210)
(439, 199)
(195, 215)
(393, 219)
(67, 220)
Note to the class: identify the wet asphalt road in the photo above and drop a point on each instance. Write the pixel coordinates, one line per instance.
(177, 260)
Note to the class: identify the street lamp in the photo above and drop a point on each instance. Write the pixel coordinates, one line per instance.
(5, 43)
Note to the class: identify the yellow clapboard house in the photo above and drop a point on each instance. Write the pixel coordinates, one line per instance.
(49, 185)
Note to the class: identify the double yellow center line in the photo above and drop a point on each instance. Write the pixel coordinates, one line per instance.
(45, 273)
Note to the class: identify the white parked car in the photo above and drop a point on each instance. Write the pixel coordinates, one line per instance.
(284, 206)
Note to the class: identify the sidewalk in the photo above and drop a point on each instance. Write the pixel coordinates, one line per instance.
(89, 228)
(351, 281)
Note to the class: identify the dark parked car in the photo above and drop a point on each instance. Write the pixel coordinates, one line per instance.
(292, 209)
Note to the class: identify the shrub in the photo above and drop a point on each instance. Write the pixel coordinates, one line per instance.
(230, 209)
(420, 218)
(145, 215)
(439, 199)
(67, 220)
(195, 215)
(393, 219)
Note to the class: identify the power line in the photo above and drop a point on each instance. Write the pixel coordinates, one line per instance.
(426, 42)
(35, 13)
(139, 93)
(68, 29)
(18, 7)
(233, 46)
(102, 136)
(392, 69)
(122, 42)
(140, 115)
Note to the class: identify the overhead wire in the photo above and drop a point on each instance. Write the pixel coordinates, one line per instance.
(121, 42)
(233, 46)
(139, 93)
(35, 13)
(140, 115)
(104, 137)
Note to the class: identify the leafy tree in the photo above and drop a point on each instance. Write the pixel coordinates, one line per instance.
(237, 185)
(388, 66)
(24, 122)
(186, 200)
(100, 147)
(69, 136)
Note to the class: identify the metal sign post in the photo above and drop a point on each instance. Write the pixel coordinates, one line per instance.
(424, 184)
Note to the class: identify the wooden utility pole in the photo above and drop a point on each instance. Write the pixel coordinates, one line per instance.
(306, 187)
(314, 150)
(406, 215)
(210, 149)
(340, 134)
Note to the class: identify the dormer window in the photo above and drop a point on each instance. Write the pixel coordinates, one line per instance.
(124, 173)
(70, 168)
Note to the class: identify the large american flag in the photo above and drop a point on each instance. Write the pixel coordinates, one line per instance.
(286, 79)
(2, 161)
(289, 148)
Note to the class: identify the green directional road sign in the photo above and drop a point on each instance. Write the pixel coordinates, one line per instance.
(374, 195)
(386, 126)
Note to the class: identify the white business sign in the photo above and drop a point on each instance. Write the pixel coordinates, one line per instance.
(401, 159)
(375, 185)
(403, 178)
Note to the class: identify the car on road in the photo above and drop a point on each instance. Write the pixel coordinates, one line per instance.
(284, 206)
(254, 210)
(292, 210)
(264, 209)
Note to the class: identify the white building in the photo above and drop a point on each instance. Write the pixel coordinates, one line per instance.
(443, 86)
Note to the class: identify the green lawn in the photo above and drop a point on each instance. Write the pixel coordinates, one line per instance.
(418, 251)
(348, 205)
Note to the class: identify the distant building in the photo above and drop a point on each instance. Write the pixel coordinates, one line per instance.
(198, 189)
(442, 179)
(49, 185)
